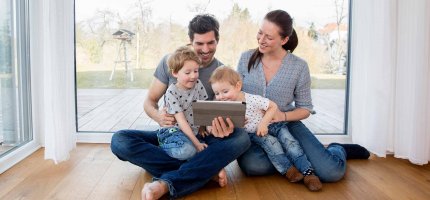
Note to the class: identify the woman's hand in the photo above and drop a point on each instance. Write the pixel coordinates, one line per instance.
(220, 128)
(278, 117)
(165, 119)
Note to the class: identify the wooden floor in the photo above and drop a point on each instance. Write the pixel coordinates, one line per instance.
(109, 110)
(93, 172)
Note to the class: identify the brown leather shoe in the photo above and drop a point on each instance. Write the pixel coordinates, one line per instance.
(293, 175)
(312, 182)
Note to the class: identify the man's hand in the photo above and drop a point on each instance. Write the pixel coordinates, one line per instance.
(220, 128)
(204, 131)
(165, 119)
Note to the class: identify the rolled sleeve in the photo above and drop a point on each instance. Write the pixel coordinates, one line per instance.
(302, 92)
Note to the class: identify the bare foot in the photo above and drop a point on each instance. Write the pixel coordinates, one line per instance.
(221, 178)
(154, 190)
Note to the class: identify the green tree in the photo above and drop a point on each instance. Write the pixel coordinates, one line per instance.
(313, 52)
(237, 34)
(312, 33)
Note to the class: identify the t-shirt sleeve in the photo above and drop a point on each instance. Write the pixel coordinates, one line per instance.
(203, 95)
(162, 71)
(260, 102)
(172, 102)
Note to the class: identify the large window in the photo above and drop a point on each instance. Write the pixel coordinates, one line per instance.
(15, 113)
(113, 72)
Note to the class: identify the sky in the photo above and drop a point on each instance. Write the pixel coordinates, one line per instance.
(4, 11)
(304, 12)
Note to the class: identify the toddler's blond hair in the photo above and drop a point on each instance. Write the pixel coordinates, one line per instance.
(225, 74)
(177, 59)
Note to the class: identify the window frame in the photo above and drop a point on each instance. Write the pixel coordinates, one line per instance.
(325, 138)
(21, 55)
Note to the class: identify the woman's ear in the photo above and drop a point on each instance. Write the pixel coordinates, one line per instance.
(285, 40)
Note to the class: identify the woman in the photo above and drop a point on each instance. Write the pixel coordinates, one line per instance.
(274, 72)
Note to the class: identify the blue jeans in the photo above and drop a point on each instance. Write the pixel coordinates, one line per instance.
(182, 177)
(175, 143)
(282, 149)
(329, 164)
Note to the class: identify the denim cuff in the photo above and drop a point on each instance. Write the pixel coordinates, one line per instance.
(172, 190)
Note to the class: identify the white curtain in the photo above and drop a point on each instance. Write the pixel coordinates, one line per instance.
(390, 73)
(52, 67)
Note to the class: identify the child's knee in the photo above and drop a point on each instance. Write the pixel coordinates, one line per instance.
(185, 152)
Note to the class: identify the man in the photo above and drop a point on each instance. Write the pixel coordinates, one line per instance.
(225, 143)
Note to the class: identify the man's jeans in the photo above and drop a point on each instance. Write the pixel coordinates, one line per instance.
(175, 143)
(329, 164)
(183, 177)
(282, 148)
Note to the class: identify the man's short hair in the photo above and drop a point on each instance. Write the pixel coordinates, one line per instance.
(202, 24)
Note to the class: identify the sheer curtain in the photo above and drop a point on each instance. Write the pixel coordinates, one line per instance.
(52, 66)
(390, 72)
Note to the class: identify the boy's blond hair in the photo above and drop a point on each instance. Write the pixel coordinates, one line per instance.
(225, 74)
(177, 59)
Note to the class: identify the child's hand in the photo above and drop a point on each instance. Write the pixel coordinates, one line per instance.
(262, 129)
(201, 146)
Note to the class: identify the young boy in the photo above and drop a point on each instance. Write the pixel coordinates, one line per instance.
(281, 147)
(180, 141)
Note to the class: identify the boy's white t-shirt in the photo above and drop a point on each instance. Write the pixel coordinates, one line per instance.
(178, 100)
(256, 106)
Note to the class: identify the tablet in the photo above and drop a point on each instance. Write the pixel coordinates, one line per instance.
(205, 111)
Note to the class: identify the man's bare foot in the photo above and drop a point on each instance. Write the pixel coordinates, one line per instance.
(154, 190)
(221, 178)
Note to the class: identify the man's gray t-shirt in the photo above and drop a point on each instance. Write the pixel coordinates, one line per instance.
(179, 100)
(162, 73)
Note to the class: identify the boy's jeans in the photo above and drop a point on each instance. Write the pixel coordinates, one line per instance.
(329, 163)
(175, 143)
(282, 148)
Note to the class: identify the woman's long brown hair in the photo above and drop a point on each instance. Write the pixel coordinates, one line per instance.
(284, 21)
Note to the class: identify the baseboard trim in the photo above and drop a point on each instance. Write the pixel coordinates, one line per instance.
(18, 154)
(93, 137)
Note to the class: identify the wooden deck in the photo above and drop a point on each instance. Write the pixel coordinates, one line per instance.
(109, 110)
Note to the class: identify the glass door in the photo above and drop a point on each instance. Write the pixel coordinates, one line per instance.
(15, 116)
(119, 44)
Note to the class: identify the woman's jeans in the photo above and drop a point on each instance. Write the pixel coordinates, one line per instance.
(282, 148)
(329, 164)
(175, 143)
(183, 177)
